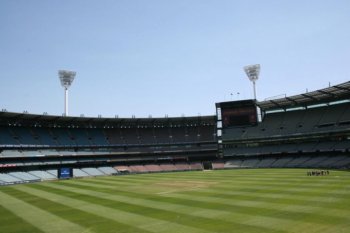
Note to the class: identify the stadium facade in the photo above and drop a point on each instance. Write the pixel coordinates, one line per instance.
(306, 130)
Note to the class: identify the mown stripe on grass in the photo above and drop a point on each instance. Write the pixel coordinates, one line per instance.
(213, 220)
(286, 201)
(272, 197)
(326, 192)
(91, 222)
(307, 182)
(224, 180)
(139, 221)
(202, 212)
(255, 220)
(321, 217)
(12, 223)
(41, 219)
(327, 201)
(314, 196)
(287, 188)
(266, 205)
(233, 175)
(304, 182)
(230, 176)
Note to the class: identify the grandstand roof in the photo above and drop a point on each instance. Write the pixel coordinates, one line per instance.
(25, 119)
(329, 94)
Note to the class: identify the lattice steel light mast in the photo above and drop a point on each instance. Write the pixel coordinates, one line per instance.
(252, 72)
(66, 78)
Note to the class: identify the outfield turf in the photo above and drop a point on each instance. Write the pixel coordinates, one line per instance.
(252, 200)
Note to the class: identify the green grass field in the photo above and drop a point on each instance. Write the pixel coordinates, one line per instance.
(256, 200)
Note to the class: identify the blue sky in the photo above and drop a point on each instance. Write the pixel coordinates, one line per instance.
(158, 57)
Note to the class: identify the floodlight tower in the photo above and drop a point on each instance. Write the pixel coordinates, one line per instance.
(252, 72)
(66, 78)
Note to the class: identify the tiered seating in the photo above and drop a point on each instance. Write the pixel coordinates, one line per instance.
(114, 136)
(122, 168)
(168, 167)
(11, 153)
(196, 166)
(6, 138)
(345, 115)
(234, 163)
(342, 145)
(343, 162)
(137, 168)
(8, 179)
(108, 170)
(262, 163)
(130, 136)
(49, 152)
(44, 136)
(314, 161)
(43, 175)
(97, 137)
(162, 135)
(79, 173)
(306, 147)
(296, 123)
(207, 133)
(182, 166)
(325, 146)
(24, 176)
(250, 162)
(218, 165)
(146, 136)
(24, 135)
(49, 142)
(92, 171)
(63, 137)
(332, 114)
(80, 136)
(32, 153)
(192, 134)
(52, 172)
(291, 162)
(292, 122)
(163, 167)
(298, 161)
(153, 168)
(126, 135)
(281, 162)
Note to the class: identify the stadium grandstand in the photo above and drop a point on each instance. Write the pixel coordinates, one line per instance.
(36, 147)
(310, 130)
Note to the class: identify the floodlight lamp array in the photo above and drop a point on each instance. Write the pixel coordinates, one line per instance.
(66, 78)
(252, 72)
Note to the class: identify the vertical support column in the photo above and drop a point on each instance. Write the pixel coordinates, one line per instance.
(254, 90)
(65, 101)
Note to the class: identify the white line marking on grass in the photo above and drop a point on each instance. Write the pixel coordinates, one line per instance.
(41, 219)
